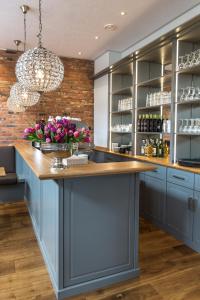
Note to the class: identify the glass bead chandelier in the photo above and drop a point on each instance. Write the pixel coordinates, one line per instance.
(14, 107)
(39, 69)
(22, 96)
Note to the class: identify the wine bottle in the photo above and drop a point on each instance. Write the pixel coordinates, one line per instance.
(139, 123)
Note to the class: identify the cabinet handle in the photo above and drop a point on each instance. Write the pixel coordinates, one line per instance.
(155, 171)
(194, 204)
(178, 177)
(190, 203)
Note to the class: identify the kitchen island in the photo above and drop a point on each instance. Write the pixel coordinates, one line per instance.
(85, 218)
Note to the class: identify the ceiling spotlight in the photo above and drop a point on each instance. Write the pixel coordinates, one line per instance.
(123, 13)
(96, 37)
(79, 53)
(110, 27)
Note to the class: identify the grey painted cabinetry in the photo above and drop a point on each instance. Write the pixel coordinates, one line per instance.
(171, 199)
(178, 216)
(153, 194)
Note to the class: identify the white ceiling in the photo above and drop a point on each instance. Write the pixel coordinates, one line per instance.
(69, 26)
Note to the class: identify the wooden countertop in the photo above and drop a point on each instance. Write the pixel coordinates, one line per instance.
(153, 160)
(40, 165)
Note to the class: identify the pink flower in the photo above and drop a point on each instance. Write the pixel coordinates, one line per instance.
(87, 139)
(37, 126)
(76, 134)
(48, 140)
(57, 137)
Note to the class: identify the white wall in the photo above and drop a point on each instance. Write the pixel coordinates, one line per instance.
(106, 60)
(101, 111)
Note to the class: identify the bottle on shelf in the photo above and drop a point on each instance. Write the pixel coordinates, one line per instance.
(160, 149)
(142, 149)
(154, 147)
(139, 123)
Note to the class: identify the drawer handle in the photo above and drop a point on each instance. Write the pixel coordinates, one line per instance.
(178, 177)
(155, 171)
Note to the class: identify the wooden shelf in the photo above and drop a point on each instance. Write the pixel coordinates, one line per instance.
(190, 70)
(124, 91)
(156, 82)
(127, 111)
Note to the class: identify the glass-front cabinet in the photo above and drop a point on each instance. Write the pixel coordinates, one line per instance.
(155, 98)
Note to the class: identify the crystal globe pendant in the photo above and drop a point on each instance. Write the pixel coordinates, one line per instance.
(14, 107)
(39, 69)
(22, 96)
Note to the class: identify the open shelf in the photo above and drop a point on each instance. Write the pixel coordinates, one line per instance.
(189, 102)
(190, 70)
(188, 134)
(156, 82)
(121, 132)
(124, 91)
(127, 111)
(153, 107)
(149, 133)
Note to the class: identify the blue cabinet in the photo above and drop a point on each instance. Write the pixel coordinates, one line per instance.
(178, 212)
(196, 231)
(153, 194)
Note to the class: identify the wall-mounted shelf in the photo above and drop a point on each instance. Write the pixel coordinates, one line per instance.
(124, 91)
(190, 70)
(121, 132)
(153, 107)
(188, 133)
(156, 70)
(127, 111)
(189, 102)
(156, 82)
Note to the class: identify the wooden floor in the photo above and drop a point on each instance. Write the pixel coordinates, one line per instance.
(169, 270)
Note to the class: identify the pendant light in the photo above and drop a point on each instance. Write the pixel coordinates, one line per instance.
(21, 95)
(14, 107)
(39, 69)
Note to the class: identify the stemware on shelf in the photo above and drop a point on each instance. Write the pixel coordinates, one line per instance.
(189, 60)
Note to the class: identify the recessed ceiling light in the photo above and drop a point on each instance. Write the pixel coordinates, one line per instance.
(96, 37)
(110, 27)
(79, 53)
(123, 13)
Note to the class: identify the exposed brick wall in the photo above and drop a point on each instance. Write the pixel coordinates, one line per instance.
(74, 97)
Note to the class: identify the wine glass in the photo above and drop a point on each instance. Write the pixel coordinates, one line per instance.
(181, 64)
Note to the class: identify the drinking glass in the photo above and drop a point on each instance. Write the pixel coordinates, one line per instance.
(191, 93)
(181, 64)
(185, 125)
(197, 57)
(187, 60)
(180, 128)
(197, 94)
(183, 95)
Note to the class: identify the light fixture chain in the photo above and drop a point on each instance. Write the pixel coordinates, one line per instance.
(24, 32)
(40, 25)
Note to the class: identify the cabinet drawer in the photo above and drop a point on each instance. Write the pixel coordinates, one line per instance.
(182, 178)
(197, 182)
(159, 172)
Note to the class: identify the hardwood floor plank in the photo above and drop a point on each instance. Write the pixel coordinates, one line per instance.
(169, 269)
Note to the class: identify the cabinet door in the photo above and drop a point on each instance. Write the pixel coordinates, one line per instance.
(142, 194)
(179, 217)
(154, 198)
(196, 230)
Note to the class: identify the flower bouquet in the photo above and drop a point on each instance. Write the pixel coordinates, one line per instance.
(59, 133)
